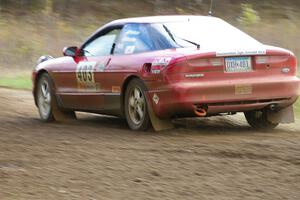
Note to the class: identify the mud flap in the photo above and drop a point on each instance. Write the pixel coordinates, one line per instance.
(62, 116)
(158, 124)
(285, 115)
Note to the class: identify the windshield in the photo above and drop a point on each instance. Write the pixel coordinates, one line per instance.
(207, 32)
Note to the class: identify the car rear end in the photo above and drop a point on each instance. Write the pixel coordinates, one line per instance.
(204, 84)
(221, 70)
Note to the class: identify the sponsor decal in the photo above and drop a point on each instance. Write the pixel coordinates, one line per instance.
(155, 98)
(128, 39)
(241, 53)
(155, 71)
(132, 32)
(85, 76)
(161, 61)
(116, 89)
(129, 49)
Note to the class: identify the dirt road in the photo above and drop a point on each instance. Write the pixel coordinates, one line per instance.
(97, 157)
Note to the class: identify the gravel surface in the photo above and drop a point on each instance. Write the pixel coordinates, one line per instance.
(98, 157)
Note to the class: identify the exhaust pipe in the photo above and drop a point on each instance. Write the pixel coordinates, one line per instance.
(200, 111)
(273, 107)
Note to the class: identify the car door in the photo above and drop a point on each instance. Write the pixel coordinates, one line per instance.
(94, 57)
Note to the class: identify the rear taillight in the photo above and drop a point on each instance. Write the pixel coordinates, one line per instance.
(206, 62)
(286, 63)
(261, 59)
(216, 61)
(271, 59)
(294, 65)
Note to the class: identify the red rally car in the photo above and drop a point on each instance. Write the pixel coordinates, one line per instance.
(154, 69)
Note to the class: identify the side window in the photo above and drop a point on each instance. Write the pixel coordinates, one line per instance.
(134, 38)
(163, 38)
(102, 45)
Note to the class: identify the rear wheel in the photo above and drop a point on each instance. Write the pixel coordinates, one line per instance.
(47, 103)
(136, 111)
(259, 120)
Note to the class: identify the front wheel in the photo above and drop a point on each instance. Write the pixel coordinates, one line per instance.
(136, 111)
(44, 98)
(47, 103)
(259, 120)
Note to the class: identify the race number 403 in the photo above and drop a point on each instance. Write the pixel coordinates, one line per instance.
(85, 72)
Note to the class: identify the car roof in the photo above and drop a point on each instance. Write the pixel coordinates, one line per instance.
(150, 19)
(159, 19)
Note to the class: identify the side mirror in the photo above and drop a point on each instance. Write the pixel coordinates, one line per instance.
(70, 51)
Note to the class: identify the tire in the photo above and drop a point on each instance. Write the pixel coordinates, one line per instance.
(259, 120)
(135, 106)
(47, 103)
(44, 98)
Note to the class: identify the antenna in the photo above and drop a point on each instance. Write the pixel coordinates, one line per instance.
(211, 7)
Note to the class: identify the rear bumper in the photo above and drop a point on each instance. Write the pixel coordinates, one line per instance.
(179, 99)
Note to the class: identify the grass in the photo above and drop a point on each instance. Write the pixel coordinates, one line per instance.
(297, 108)
(19, 81)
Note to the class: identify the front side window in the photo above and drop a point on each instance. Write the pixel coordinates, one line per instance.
(134, 38)
(102, 45)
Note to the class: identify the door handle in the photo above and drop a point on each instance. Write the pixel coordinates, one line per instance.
(108, 61)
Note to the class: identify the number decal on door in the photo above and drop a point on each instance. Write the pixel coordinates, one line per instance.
(85, 75)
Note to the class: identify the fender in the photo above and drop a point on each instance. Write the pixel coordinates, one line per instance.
(36, 73)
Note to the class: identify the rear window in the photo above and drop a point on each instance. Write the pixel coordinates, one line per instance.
(209, 32)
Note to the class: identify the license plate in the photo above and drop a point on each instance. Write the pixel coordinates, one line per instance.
(238, 64)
